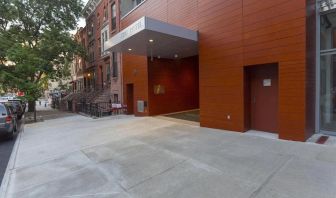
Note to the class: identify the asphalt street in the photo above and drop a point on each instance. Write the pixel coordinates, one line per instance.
(6, 147)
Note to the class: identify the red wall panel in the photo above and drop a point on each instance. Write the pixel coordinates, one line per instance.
(180, 81)
(135, 71)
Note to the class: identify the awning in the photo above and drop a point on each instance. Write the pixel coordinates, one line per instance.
(153, 38)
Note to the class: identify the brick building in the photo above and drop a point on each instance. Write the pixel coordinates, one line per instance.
(79, 64)
(245, 64)
(96, 78)
(102, 18)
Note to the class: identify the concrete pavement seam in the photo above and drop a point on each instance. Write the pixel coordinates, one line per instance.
(54, 179)
(93, 195)
(258, 190)
(158, 174)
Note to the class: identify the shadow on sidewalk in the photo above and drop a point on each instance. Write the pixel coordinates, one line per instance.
(48, 114)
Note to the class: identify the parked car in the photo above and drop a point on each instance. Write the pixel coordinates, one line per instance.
(18, 108)
(22, 102)
(8, 122)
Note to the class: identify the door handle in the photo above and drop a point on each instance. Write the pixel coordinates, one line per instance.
(254, 100)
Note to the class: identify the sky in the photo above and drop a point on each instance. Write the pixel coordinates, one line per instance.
(81, 22)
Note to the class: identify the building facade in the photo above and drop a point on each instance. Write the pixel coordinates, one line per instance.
(245, 64)
(78, 65)
(103, 67)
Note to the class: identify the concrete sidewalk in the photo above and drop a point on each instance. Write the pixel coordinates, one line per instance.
(46, 113)
(151, 157)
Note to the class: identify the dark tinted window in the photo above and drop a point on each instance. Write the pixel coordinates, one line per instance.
(17, 101)
(11, 109)
(16, 105)
(114, 65)
(3, 110)
(114, 16)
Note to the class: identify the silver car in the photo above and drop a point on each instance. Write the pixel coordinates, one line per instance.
(8, 124)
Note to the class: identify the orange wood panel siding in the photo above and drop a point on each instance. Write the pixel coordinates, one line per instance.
(221, 63)
(179, 12)
(238, 33)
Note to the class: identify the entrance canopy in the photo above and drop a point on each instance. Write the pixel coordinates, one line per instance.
(153, 38)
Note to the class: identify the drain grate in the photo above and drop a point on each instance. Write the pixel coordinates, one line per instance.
(322, 139)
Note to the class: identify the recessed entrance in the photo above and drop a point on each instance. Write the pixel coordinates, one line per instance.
(172, 79)
(173, 86)
(261, 94)
(130, 99)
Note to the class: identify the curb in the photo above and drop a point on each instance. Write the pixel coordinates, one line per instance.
(88, 116)
(10, 166)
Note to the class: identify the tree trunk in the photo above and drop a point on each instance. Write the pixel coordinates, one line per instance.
(35, 119)
(32, 108)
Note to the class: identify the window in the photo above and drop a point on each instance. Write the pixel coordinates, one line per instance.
(98, 20)
(105, 14)
(3, 110)
(327, 72)
(99, 45)
(91, 31)
(115, 98)
(114, 65)
(91, 57)
(137, 2)
(108, 72)
(102, 43)
(114, 16)
(127, 6)
(91, 51)
(104, 38)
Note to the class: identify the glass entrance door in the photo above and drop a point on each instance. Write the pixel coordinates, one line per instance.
(328, 93)
(327, 71)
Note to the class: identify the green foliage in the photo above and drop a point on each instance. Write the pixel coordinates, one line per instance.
(35, 43)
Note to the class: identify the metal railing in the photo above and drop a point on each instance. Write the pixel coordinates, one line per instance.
(100, 109)
(88, 109)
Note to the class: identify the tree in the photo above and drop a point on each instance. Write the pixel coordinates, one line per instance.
(35, 40)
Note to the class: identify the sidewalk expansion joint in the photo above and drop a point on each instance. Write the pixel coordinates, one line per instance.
(268, 179)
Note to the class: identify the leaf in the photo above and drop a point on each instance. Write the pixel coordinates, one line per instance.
(34, 37)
